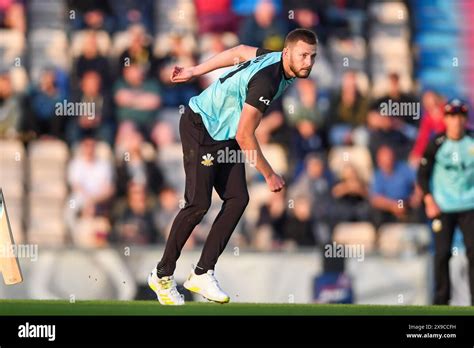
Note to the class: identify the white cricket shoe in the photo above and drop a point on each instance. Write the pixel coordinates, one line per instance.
(165, 289)
(206, 285)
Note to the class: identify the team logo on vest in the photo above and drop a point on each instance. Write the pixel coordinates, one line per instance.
(264, 101)
(207, 160)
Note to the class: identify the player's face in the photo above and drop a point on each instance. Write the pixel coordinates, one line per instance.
(301, 57)
(455, 124)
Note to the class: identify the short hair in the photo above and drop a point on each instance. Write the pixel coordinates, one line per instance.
(304, 35)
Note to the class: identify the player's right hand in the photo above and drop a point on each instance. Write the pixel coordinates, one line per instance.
(180, 74)
(275, 182)
(431, 207)
(432, 210)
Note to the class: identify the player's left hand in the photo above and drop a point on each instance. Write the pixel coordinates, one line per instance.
(275, 182)
(180, 74)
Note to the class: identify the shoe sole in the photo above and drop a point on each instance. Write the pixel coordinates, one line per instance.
(197, 290)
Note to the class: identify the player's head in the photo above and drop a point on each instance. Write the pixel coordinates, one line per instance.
(300, 52)
(455, 117)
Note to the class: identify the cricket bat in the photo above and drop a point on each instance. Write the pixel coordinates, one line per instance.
(9, 265)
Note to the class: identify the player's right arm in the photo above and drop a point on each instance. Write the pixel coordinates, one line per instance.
(229, 57)
(424, 176)
(249, 121)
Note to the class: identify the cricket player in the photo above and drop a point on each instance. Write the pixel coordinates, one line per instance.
(225, 115)
(446, 176)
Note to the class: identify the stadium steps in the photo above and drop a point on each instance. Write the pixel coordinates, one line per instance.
(439, 27)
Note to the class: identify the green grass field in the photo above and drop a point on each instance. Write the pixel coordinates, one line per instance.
(37, 307)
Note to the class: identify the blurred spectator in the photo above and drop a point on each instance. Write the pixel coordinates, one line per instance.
(300, 227)
(168, 207)
(179, 51)
(101, 124)
(135, 167)
(346, 17)
(92, 14)
(279, 226)
(305, 140)
(347, 114)
(307, 14)
(91, 181)
(137, 98)
(131, 12)
(263, 29)
(134, 224)
(272, 127)
(393, 195)
(247, 7)
(316, 182)
(215, 16)
(385, 130)
(351, 197)
(215, 45)
(271, 221)
(163, 134)
(432, 122)
(139, 52)
(301, 108)
(12, 15)
(395, 94)
(11, 116)
(301, 102)
(90, 59)
(42, 100)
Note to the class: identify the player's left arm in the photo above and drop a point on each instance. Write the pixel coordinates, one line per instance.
(229, 57)
(249, 120)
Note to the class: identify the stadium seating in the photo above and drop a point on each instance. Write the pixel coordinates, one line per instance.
(43, 47)
(400, 238)
(357, 156)
(47, 191)
(51, 14)
(355, 233)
